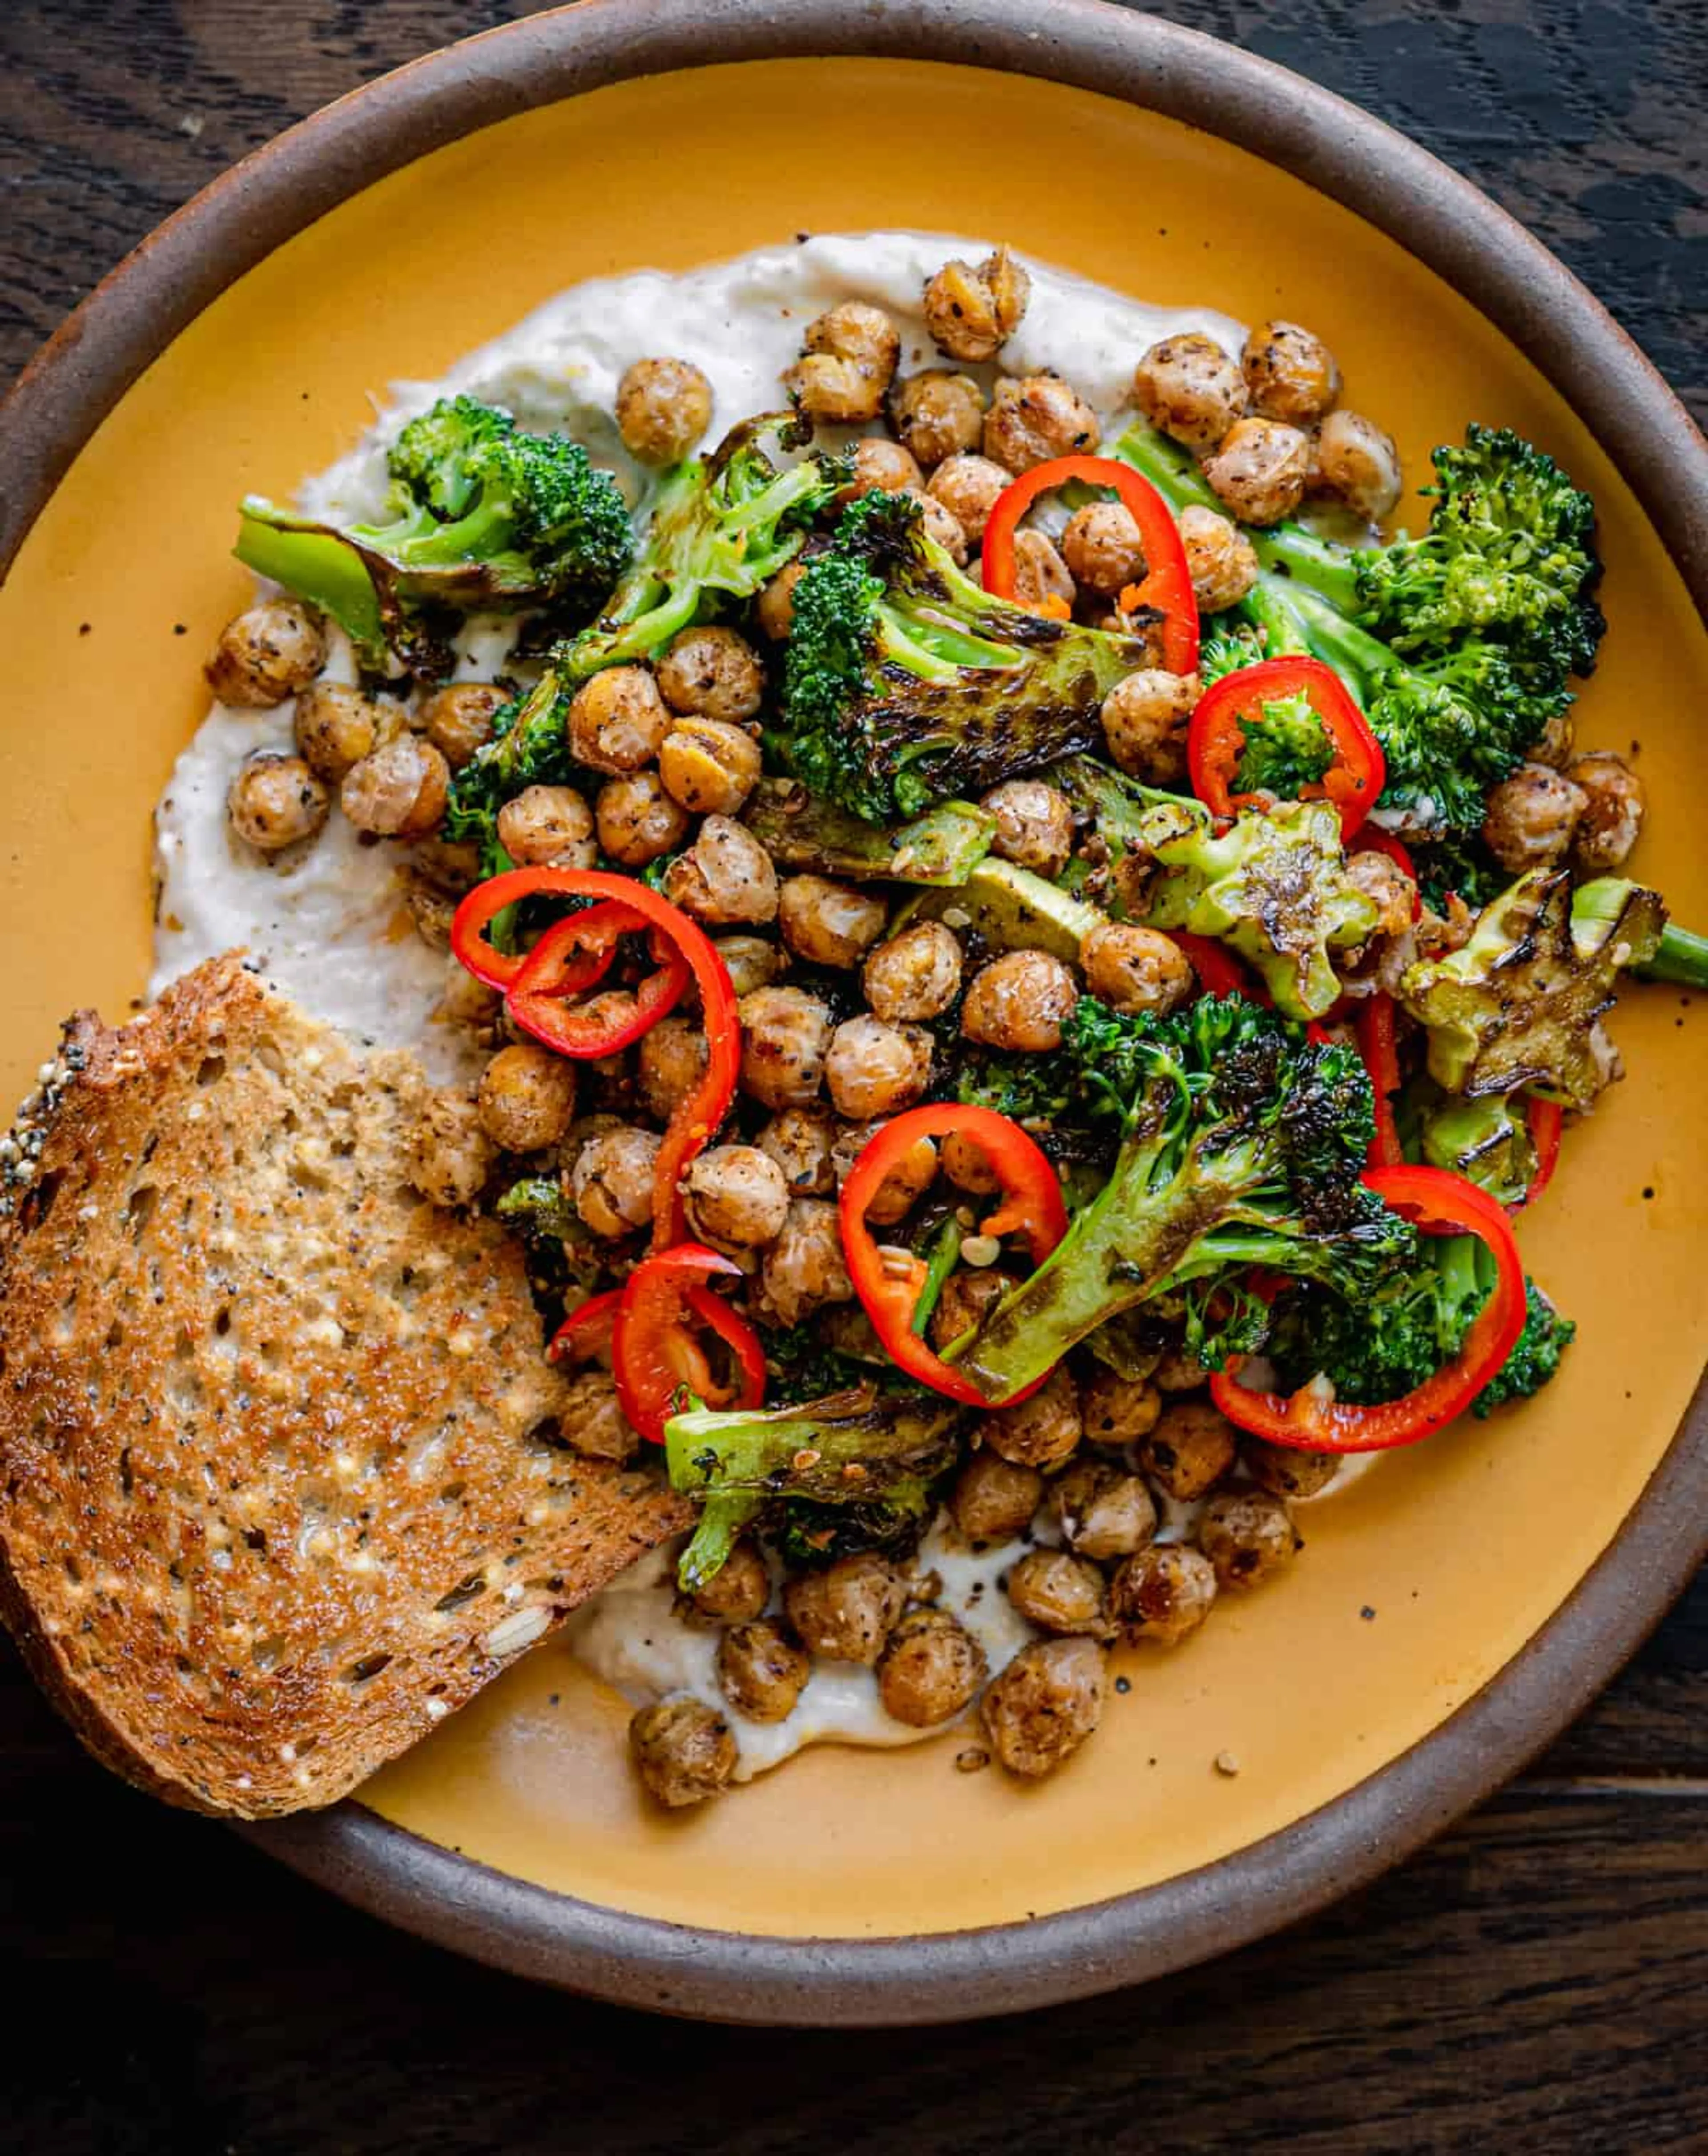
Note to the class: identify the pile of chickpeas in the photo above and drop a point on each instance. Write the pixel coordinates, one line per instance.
(1079, 1478)
(673, 753)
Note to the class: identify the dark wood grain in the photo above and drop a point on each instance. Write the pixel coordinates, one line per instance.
(1534, 1983)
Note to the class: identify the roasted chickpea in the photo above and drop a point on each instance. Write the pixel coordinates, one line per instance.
(805, 1267)
(938, 524)
(776, 605)
(637, 820)
(711, 673)
(1035, 418)
(971, 313)
(709, 765)
(451, 1156)
(1021, 1000)
(1188, 387)
(547, 824)
(1247, 1536)
(527, 1099)
(968, 486)
(1163, 1593)
(993, 1501)
(458, 718)
(914, 976)
(1103, 548)
(1189, 1451)
(761, 1671)
(735, 1194)
(1355, 464)
(966, 1295)
(399, 791)
(1042, 1431)
(939, 413)
(591, 1418)
(611, 1182)
(735, 1594)
(618, 720)
(1613, 807)
(682, 1751)
(1179, 1371)
(1286, 1472)
(466, 1002)
(829, 924)
(276, 801)
(1034, 824)
(335, 726)
(799, 1141)
(1388, 887)
(431, 909)
(725, 877)
(1104, 1512)
(871, 1069)
(1222, 560)
(664, 405)
(906, 1183)
(929, 1669)
(785, 1035)
(967, 1165)
(1530, 819)
(669, 1063)
(848, 363)
(1059, 1593)
(1554, 745)
(1135, 969)
(1291, 374)
(1040, 573)
(846, 1612)
(750, 962)
(1117, 1411)
(881, 466)
(1145, 720)
(267, 654)
(1043, 1706)
(1259, 469)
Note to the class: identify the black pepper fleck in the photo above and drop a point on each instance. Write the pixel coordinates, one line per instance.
(1366, 1613)
(1123, 1684)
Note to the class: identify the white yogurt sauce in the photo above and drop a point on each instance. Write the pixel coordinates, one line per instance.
(326, 921)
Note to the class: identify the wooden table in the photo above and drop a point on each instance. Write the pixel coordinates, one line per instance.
(1537, 1982)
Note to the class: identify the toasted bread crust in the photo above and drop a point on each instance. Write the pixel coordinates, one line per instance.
(280, 1483)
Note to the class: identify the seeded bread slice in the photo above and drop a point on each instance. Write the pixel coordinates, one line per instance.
(281, 1485)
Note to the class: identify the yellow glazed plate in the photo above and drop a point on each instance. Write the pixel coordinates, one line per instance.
(1418, 1588)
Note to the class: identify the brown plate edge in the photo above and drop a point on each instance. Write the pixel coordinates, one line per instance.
(83, 370)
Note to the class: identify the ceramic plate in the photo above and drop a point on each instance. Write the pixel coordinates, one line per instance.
(1460, 1603)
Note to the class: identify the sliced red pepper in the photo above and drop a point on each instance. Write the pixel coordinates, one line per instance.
(558, 967)
(1379, 1046)
(655, 1354)
(1216, 737)
(1220, 973)
(1373, 839)
(697, 1117)
(888, 1281)
(586, 1334)
(1167, 582)
(1547, 1123)
(1312, 1420)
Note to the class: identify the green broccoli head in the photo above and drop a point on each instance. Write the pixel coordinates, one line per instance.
(529, 747)
(1287, 748)
(1243, 1145)
(1521, 1003)
(905, 683)
(481, 516)
(1535, 1354)
(721, 526)
(873, 1452)
(1273, 886)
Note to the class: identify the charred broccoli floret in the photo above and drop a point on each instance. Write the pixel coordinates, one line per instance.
(905, 683)
(1458, 645)
(1536, 1354)
(721, 526)
(481, 515)
(529, 747)
(1521, 1003)
(1243, 1144)
(877, 1454)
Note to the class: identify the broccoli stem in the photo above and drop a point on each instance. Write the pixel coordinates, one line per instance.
(945, 1254)
(323, 570)
(1682, 955)
(1288, 549)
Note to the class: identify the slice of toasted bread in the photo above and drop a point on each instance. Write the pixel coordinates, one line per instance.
(280, 1483)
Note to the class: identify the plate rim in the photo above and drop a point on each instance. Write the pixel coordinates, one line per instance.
(83, 370)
